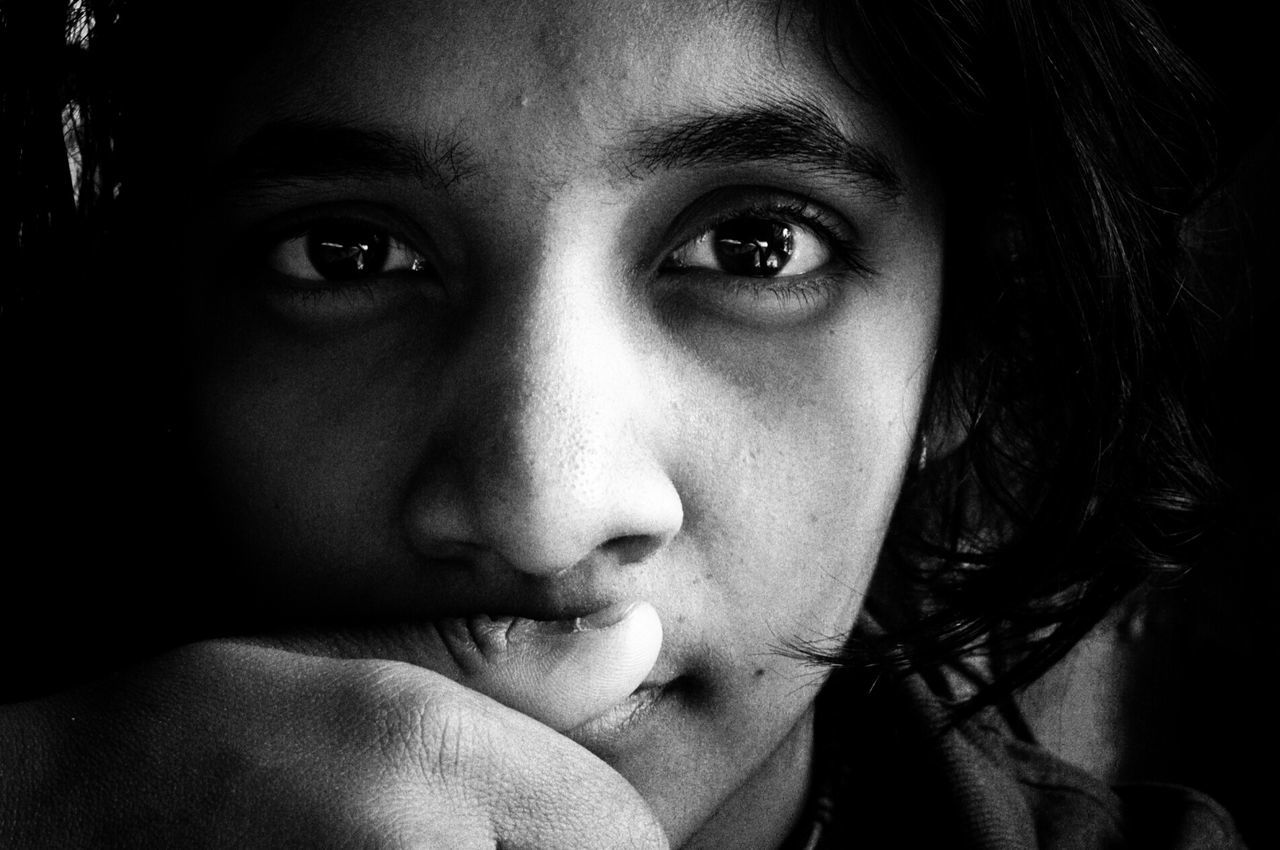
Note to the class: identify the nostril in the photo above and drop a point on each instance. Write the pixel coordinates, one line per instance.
(632, 548)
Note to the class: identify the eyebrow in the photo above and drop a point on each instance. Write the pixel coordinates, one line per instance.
(304, 149)
(792, 132)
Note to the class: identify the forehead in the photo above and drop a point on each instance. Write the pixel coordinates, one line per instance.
(536, 48)
(510, 77)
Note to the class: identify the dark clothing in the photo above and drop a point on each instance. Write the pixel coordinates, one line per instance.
(891, 772)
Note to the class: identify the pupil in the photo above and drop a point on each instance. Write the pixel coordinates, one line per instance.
(754, 247)
(344, 251)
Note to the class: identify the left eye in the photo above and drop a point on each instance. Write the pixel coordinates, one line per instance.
(753, 246)
(343, 251)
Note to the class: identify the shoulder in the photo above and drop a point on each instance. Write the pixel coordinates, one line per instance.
(1073, 809)
(887, 757)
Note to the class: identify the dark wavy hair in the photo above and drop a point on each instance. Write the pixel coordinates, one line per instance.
(1065, 464)
(1063, 467)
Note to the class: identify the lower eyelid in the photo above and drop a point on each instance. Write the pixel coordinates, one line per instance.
(802, 287)
(761, 302)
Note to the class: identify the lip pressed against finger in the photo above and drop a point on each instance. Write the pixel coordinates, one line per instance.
(602, 733)
(565, 672)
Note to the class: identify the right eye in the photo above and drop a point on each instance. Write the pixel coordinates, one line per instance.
(342, 251)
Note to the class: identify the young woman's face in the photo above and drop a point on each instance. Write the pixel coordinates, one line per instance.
(532, 308)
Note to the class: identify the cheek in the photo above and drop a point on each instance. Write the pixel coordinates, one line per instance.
(793, 488)
(802, 534)
(307, 448)
(787, 501)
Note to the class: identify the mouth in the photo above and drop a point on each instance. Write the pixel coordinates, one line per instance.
(605, 733)
(589, 670)
(567, 672)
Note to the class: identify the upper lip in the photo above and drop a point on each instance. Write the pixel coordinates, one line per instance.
(538, 600)
(550, 610)
(488, 586)
(483, 582)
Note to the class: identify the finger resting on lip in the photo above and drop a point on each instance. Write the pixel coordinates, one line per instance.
(564, 677)
(560, 672)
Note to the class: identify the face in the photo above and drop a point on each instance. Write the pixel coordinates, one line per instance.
(532, 310)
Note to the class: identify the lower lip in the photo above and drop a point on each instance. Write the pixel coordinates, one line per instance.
(606, 731)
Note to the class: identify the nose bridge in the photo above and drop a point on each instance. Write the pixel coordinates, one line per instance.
(563, 394)
(553, 447)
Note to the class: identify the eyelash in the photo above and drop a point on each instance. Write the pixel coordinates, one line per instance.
(798, 291)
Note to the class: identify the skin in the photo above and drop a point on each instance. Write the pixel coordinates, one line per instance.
(554, 418)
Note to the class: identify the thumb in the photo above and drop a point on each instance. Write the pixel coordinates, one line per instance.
(560, 672)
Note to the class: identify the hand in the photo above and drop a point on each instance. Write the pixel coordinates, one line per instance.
(240, 744)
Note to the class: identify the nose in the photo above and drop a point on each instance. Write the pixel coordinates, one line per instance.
(548, 455)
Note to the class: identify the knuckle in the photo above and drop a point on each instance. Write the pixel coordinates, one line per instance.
(419, 722)
(444, 729)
